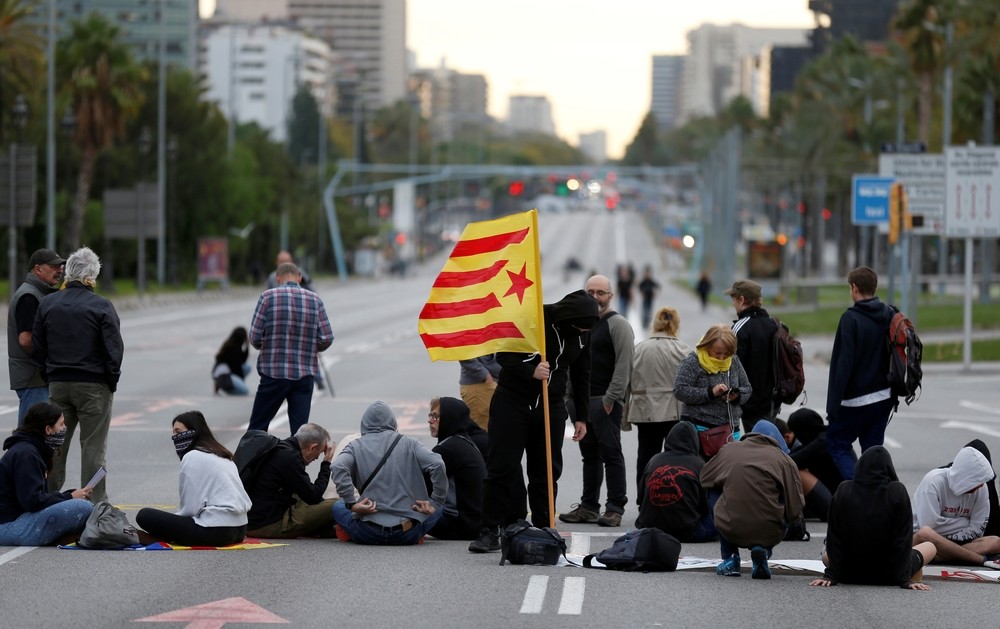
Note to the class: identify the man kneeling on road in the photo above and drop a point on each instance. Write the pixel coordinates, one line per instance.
(286, 503)
(951, 508)
(380, 478)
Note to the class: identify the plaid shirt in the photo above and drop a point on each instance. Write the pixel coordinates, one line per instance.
(289, 327)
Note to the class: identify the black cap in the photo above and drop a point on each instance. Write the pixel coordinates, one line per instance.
(44, 256)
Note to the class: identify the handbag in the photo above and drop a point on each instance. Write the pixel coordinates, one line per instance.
(523, 544)
(222, 377)
(108, 527)
(714, 438)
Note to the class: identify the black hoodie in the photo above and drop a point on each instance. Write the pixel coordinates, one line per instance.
(567, 353)
(672, 496)
(859, 364)
(22, 477)
(869, 537)
(466, 469)
(812, 453)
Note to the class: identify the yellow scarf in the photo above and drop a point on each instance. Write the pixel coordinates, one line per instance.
(712, 365)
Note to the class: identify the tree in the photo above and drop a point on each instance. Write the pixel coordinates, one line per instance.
(920, 34)
(20, 54)
(303, 127)
(102, 82)
(645, 148)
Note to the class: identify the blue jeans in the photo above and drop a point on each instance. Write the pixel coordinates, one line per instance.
(271, 392)
(41, 528)
(864, 423)
(29, 397)
(239, 383)
(377, 535)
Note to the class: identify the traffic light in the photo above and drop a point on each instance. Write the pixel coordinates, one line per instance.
(516, 188)
(897, 209)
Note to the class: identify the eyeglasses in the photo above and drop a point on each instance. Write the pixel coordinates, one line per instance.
(433, 417)
(599, 293)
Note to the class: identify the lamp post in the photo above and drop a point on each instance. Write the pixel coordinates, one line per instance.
(145, 142)
(20, 118)
(171, 211)
(68, 124)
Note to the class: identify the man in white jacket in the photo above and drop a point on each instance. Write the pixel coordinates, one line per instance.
(951, 508)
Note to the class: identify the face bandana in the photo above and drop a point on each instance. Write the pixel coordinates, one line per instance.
(56, 439)
(713, 365)
(183, 441)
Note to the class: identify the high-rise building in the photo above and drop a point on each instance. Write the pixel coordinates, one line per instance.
(595, 145)
(140, 26)
(251, 10)
(867, 21)
(452, 101)
(668, 76)
(254, 70)
(530, 114)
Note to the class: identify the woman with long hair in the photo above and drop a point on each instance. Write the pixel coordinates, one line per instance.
(231, 367)
(30, 514)
(213, 504)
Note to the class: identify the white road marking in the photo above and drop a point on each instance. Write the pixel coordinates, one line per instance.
(579, 544)
(10, 555)
(8, 409)
(534, 596)
(983, 430)
(889, 442)
(572, 595)
(973, 406)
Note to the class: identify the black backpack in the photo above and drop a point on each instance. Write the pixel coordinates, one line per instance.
(789, 372)
(905, 353)
(640, 550)
(253, 448)
(521, 543)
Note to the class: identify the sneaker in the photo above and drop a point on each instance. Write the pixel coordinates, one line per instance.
(488, 542)
(610, 518)
(760, 568)
(993, 564)
(580, 515)
(729, 568)
(341, 533)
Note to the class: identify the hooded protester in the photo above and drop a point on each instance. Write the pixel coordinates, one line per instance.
(869, 537)
(517, 417)
(756, 492)
(380, 479)
(993, 526)
(820, 475)
(449, 421)
(673, 499)
(460, 421)
(951, 508)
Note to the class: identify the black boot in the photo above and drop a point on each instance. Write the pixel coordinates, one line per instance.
(488, 541)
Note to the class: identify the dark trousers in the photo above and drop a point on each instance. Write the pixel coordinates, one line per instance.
(271, 392)
(652, 439)
(601, 449)
(516, 431)
(863, 423)
(182, 530)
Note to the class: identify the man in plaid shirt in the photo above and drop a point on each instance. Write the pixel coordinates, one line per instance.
(289, 327)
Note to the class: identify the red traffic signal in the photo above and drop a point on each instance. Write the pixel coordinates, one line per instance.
(516, 188)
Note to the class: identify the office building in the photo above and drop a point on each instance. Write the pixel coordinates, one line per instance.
(595, 146)
(530, 114)
(668, 77)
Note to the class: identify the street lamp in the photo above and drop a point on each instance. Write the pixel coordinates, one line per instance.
(145, 142)
(68, 125)
(19, 115)
(171, 212)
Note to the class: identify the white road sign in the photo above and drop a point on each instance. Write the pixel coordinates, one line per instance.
(922, 176)
(972, 185)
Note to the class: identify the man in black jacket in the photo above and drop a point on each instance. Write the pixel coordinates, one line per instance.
(449, 421)
(755, 348)
(286, 503)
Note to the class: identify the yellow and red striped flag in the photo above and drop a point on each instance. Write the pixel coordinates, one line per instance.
(488, 297)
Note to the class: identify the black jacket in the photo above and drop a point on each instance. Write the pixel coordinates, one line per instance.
(811, 453)
(77, 337)
(859, 364)
(466, 470)
(755, 348)
(23, 487)
(281, 477)
(567, 353)
(673, 499)
(869, 536)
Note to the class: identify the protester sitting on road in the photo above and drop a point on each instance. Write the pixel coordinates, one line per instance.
(820, 475)
(464, 465)
(30, 514)
(711, 382)
(286, 503)
(653, 408)
(993, 526)
(950, 509)
(673, 499)
(213, 503)
(380, 478)
(869, 538)
(231, 367)
(463, 422)
(754, 493)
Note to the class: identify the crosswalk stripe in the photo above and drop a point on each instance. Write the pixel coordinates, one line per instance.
(572, 596)
(534, 596)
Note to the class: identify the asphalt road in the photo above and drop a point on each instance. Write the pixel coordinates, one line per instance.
(377, 355)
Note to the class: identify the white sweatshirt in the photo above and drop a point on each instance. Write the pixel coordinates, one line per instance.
(943, 502)
(211, 490)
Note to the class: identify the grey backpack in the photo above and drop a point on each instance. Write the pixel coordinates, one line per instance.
(108, 527)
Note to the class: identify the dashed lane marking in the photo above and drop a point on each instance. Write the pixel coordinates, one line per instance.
(572, 596)
(534, 596)
(11, 555)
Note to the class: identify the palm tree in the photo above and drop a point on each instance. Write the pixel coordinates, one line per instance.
(102, 82)
(20, 53)
(921, 35)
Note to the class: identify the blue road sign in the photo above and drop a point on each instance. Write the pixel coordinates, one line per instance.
(870, 199)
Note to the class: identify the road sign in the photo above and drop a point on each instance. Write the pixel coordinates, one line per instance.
(121, 212)
(904, 147)
(973, 192)
(870, 199)
(922, 176)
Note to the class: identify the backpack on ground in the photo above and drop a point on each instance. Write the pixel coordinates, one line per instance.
(789, 371)
(251, 451)
(905, 353)
(640, 550)
(108, 527)
(523, 544)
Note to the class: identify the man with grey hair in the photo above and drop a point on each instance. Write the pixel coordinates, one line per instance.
(286, 503)
(77, 341)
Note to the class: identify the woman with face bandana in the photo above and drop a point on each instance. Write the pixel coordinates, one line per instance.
(214, 505)
(31, 515)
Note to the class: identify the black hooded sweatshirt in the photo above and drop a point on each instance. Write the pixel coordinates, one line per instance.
(466, 470)
(869, 538)
(859, 364)
(568, 354)
(812, 453)
(673, 499)
(23, 470)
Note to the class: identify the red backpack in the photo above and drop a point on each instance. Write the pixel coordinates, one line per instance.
(905, 354)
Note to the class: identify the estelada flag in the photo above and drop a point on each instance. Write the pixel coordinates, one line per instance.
(488, 296)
